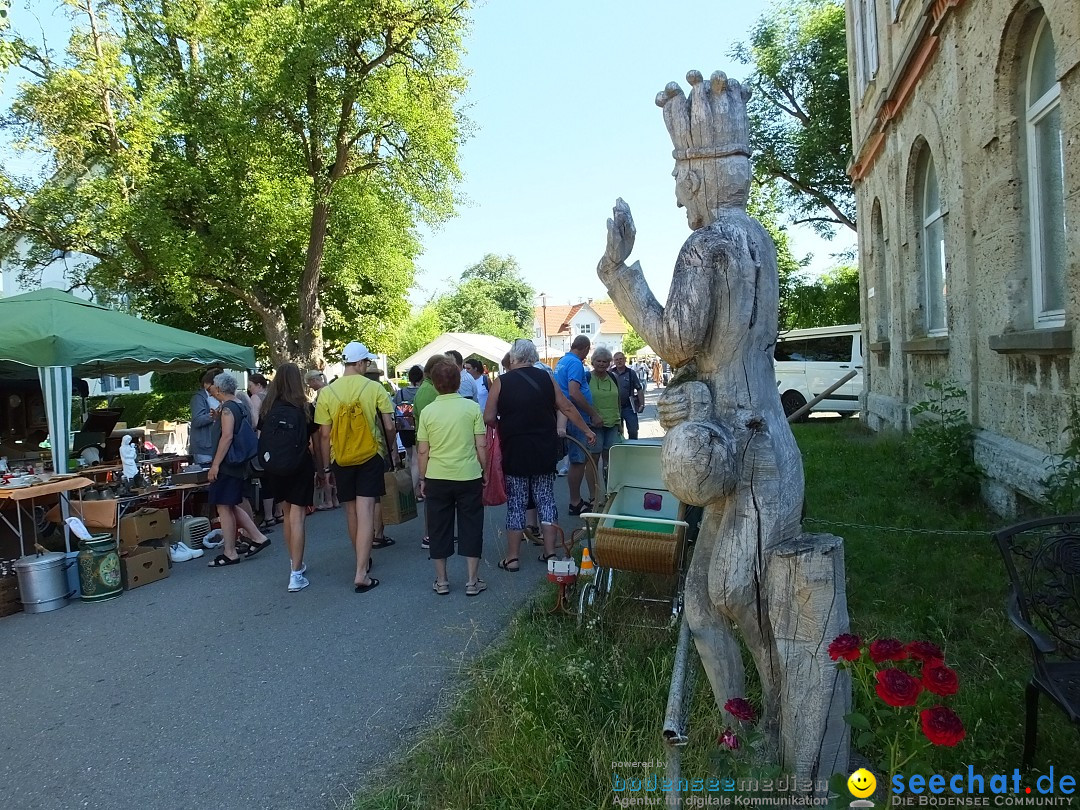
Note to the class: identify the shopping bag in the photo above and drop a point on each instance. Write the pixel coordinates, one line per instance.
(399, 502)
(495, 486)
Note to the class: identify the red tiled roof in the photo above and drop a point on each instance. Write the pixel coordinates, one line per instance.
(559, 317)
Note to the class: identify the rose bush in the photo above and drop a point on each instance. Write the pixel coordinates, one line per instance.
(898, 689)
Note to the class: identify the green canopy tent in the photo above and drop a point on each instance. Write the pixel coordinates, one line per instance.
(54, 336)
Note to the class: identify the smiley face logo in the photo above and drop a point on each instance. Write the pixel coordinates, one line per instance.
(861, 783)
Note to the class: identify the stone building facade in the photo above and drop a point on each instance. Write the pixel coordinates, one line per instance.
(966, 130)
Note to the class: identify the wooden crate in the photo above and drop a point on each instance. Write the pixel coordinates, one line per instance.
(9, 596)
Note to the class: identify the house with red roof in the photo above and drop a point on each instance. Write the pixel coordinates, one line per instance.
(556, 326)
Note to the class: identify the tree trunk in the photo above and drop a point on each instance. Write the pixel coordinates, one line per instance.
(312, 317)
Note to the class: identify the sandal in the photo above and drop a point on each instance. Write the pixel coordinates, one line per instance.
(220, 561)
(545, 557)
(475, 588)
(534, 534)
(257, 547)
(505, 565)
(383, 542)
(441, 588)
(372, 583)
(266, 526)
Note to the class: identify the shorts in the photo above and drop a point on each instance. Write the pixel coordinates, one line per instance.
(455, 503)
(576, 454)
(226, 491)
(360, 480)
(606, 438)
(521, 490)
(297, 487)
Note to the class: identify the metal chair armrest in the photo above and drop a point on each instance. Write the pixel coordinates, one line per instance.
(638, 518)
(1043, 644)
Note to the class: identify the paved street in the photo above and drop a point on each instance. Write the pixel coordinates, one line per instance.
(218, 689)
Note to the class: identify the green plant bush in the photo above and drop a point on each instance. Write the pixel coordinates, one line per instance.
(1062, 482)
(174, 406)
(942, 446)
(186, 381)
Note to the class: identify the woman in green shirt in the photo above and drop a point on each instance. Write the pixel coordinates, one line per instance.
(605, 398)
(451, 440)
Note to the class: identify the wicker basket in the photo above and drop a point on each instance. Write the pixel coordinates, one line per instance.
(636, 550)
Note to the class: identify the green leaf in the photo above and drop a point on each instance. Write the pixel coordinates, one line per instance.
(858, 721)
(864, 739)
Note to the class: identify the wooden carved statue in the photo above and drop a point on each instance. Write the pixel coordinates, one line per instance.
(728, 447)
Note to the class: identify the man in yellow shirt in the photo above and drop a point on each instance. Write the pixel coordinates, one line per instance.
(359, 485)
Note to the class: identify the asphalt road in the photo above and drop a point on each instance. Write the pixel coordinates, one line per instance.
(218, 689)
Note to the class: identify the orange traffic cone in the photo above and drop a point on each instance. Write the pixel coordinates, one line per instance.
(587, 569)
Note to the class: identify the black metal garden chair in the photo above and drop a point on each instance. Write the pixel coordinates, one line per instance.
(1043, 561)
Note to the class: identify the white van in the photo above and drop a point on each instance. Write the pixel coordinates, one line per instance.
(807, 361)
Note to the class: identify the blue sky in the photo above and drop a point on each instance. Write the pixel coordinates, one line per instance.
(561, 99)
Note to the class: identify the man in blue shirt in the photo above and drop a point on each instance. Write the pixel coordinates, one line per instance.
(570, 375)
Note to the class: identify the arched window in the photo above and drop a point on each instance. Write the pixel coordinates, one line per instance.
(932, 235)
(881, 280)
(1046, 178)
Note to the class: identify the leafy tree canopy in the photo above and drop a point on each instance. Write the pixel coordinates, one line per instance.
(492, 298)
(800, 125)
(632, 342)
(255, 167)
(831, 300)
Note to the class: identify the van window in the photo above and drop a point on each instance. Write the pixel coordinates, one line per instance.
(828, 349)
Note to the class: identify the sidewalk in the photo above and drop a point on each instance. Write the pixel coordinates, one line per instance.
(217, 688)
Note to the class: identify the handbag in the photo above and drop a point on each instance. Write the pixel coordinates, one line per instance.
(495, 484)
(245, 444)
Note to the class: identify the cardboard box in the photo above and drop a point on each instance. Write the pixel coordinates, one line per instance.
(95, 514)
(143, 565)
(399, 502)
(143, 525)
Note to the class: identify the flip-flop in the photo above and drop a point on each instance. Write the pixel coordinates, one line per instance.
(505, 565)
(220, 561)
(383, 542)
(373, 583)
(257, 547)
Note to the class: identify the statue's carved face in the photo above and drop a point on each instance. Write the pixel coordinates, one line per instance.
(726, 185)
(688, 193)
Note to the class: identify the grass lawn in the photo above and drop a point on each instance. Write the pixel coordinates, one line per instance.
(546, 714)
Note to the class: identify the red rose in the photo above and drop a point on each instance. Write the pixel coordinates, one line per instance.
(740, 709)
(887, 649)
(938, 678)
(924, 651)
(729, 740)
(941, 726)
(845, 646)
(897, 688)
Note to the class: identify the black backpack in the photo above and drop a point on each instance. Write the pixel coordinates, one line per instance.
(284, 438)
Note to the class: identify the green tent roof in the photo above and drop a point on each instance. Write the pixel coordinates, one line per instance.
(50, 327)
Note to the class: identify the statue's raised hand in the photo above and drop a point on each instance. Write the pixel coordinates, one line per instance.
(620, 240)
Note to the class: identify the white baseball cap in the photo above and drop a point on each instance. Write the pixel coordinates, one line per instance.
(355, 352)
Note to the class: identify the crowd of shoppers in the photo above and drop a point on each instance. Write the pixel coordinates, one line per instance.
(325, 443)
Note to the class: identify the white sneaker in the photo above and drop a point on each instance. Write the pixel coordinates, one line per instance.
(179, 552)
(214, 540)
(297, 581)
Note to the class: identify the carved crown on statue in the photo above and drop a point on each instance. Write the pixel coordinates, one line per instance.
(709, 123)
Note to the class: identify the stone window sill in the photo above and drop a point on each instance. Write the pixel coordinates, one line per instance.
(880, 347)
(926, 345)
(1034, 341)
